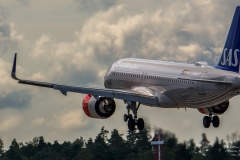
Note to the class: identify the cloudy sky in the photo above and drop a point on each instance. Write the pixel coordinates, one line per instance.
(75, 41)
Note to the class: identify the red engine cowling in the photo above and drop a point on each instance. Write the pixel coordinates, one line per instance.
(102, 108)
(216, 110)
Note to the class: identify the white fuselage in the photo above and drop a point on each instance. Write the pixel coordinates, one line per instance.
(167, 81)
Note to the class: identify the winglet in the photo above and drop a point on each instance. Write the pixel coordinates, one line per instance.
(13, 74)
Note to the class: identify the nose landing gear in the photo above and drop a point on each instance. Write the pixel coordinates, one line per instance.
(132, 122)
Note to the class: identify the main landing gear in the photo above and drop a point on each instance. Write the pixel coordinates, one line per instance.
(209, 119)
(132, 121)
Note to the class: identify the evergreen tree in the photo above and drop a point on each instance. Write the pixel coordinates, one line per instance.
(85, 154)
(56, 147)
(145, 155)
(131, 139)
(13, 152)
(191, 146)
(131, 144)
(66, 149)
(194, 150)
(182, 153)
(102, 136)
(198, 156)
(131, 156)
(1, 147)
(170, 140)
(136, 147)
(77, 146)
(100, 149)
(35, 141)
(143, 139)
(168, 154)
(27, 150)
(170, 144)
(89, 143)
(218, 150)
(41, 143)
(117, 145)
(204, 144)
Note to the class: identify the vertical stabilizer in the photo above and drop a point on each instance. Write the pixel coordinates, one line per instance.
(231, 51)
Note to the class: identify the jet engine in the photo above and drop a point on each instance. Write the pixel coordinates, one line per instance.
(102, 108)
(216, 110)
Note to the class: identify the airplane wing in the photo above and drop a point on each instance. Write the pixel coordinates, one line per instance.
(127, 95)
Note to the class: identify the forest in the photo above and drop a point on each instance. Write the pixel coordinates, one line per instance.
(136, 145)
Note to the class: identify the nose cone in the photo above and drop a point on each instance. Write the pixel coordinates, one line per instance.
(107, 78)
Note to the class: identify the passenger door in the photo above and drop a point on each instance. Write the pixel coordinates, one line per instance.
(200, 84)
(143, 78)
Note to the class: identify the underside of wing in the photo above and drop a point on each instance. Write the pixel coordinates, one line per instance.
(127, 95)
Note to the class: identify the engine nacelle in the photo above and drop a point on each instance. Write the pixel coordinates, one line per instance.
(216, 110)
(102, 108)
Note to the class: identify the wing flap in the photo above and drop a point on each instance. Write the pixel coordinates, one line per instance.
(127, 95)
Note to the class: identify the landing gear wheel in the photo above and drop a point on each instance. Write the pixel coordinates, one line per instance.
(206, 121)
(132, 119)
(125, 117)
(130, 116)
(215, 121)
(140, 124)
(131, 124)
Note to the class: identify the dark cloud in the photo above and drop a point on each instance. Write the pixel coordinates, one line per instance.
(5, 30)
(16, 99)
(8, 43)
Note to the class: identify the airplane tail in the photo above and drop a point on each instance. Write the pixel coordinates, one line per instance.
(231, 51)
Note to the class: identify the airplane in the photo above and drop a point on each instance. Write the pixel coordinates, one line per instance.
(162, 84)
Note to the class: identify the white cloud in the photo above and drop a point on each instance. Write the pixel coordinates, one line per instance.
(72, 119)
(10, 122)
(38, 121)
(190, 50)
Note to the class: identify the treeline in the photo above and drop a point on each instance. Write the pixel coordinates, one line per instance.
(135, 146)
